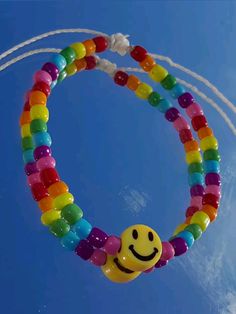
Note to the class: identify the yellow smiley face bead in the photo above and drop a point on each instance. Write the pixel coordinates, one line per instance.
(141, 248)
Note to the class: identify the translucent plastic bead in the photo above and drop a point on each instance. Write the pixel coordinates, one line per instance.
(168, 251)
(33, 178)
(121, 78)
(177, 91)
(180, 124)
(70, 69)
(161, 263)
(158, 73)
(28, 156)
(25, 130)
(69, 54)
(196, 200)
(143, 91)
(210, 199)
(39, 191)
(185, 135)
(26, 106)
(98, 257)
(91, 62)
(154, 99)
(147, 64)
(82, 228)
(58, 188)
(90, 47)
(204, 132)
(97, 237)
(27, 143)
(25, 118)
(193, 156)
(63, 75)
(211, 166)
(211, 154)
(168, 82)
(30, 168)
(190, 146)
(194, 110)
(133, 82)
(52, 69)
(101, 43)
(39, 112)
(195, 229)
(191, 210)
(187, 236)
(54, 83)
(49, 176)
(185, 100)
(59, 61)
(84, 250)
(38, 125)
(62, 200)
(197, 190)
(37, 98)
(80, 50)
(210, 211)
(59, 228)
(199, 122)
(180, 246)
(214, 189)
(164, 105)
(138, 53)
(201, 218)
(112, 245)
(46, 162)
(209, 142)
(42, 151)
(70, 241)
(46, 204)
(172, 114)
(80, 64)
(195, 178)
(42, 139)
(49, 216)
(71, 213)
(42, 87)
(42, 76)
(179, 228)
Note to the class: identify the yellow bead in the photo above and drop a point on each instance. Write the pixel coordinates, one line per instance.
(39, 112)
(71, 69)
(49, 216)
(193, 156)
(209, 142)
(25, 130)
(79, 49)
(158, 73)
(63, 200)
(200, 218)
(179, 229)
(143, 90)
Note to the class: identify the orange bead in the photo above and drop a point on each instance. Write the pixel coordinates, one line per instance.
(147, 64)
(25, 118)
(37, 98)
(210, 211)
(133, 82)
(191, 145)
(187, 220)
(57, 188)
(80, 64)
(204, 132)
(46, 203)
(90, 47)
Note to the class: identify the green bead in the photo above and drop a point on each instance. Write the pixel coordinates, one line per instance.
(27, 143)
(72, 213)
(38, 125)
(211, 154)
(62, 76)
(195, 167)
(69, 54)
(168, 82)
(195, 229)
(154, 99)
(59, 227)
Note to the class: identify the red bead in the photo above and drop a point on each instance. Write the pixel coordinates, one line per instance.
(49, 176)
(138, 53)
(185, 135)
(210, 199)
(91, 62)
(121, 78)
(27, 106)
(43, 87)
(101, 43)
(39, 191)
(191, 210)
(199, 122)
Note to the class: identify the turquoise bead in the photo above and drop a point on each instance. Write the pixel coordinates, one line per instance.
(54, 83)
(28, 156)
(82, 228)
(195, 178)
(177, 91)
(42, 138)
(211, 166)
(59, 61)
(164, 105)
(187, 236)
(70, 241)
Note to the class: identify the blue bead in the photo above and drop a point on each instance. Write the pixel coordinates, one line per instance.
(195, 178)
(177, 91)
(70, 241)
(82, 228)
(28, 156)
(53, 84)
(42, 138)
(164, 105)
(187, 236)
(211, 166)
(59, 61)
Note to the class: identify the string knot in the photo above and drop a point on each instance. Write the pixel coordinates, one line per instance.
(106, 66)
(119, 43)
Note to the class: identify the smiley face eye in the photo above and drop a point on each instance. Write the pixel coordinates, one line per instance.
(150, 236)
(135, 234)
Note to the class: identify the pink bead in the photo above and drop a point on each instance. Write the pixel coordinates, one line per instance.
(33, 178)
(27, 94)
(45, 163)
(168, 251)
(112, 245)
(213, 189)
(98, 257)
(149, 270)
(180, 123)
(43, 76)
(196, 201)
(194, 110)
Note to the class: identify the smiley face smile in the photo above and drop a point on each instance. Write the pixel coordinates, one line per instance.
(141, 257)
(122, 268)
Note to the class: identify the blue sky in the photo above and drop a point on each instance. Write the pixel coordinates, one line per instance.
(121, 159)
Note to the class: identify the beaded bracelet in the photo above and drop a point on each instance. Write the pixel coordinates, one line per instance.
(139, 248)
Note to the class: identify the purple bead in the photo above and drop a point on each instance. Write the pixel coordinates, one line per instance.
(172, 114)
(179, 245)
(185, 100)
(97, 237)
(212, 179)
(161, 263)
(30, 168)
(42, 151)
(84, 250)
(51, 69)
(197, 190)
